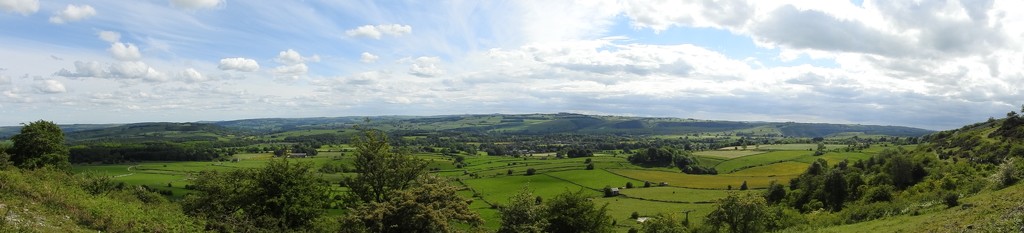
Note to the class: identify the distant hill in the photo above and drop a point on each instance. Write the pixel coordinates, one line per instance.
(524, 124)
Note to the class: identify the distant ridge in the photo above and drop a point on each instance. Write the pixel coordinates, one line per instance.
(525, 124)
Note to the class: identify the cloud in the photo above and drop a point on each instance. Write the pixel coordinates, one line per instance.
(291, 71)
(73, 13)
(83, 69)
(239, 64)
(135, 70)
(125, 51)
(50, 87)
(191, 75)
(377, 31)
(425, 67)
(368, 57)
(289, 57)
(109, 36)
(5, 80)
(23, 7)
(196, 4)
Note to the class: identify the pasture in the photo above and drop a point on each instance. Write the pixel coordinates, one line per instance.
(487, 182)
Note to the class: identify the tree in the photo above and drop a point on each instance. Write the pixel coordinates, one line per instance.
(590, 166)
(522, 214)
(775, 193)
(531, 171)
(572, 212)
(431, 205)
(40, 144)
(746, 213)
(280, 196)
(629, 185)
(835, 189)
(744, 185)
(662, 223)
(608, 191)
(381, 170)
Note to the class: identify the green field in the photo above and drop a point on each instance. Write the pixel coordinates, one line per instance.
(487, 180)
(727, 154)
(679, 179)
(787, 168)
(759, 159)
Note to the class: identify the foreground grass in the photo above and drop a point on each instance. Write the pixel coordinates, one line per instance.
(54, 201)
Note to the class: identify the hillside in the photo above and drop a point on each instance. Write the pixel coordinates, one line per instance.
(523, 124)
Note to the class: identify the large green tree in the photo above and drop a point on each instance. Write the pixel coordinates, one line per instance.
(522, 214)
(280, 196)
(430, 205)
(571, 212)
(747, 213)
(381, 169)
(40, 144)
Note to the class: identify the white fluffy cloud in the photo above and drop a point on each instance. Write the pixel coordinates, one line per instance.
(196, 4)
(239, 64)
(23, 7)
(135, 70)
(50, 87)
(73, 13)
(377, 31)
(192, 75)
(368, 57)
(289, 57)
(109, 36)
(425, 67)
(125, 51)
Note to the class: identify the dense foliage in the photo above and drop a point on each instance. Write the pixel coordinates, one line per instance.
(282, 196)
(665, 156)
(40, 144)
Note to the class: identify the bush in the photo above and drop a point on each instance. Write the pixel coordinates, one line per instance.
(634, 215)
(951, 200)
(629, 185)
(510, 172)
(647, 184)
(531, 171)
(590, 166)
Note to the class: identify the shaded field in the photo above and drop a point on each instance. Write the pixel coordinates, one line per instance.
(804, 147)
(499, 189)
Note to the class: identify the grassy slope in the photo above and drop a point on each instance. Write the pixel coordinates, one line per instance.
(51, 201)
(994, 211)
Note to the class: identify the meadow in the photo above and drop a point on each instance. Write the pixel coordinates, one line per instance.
(487, 181)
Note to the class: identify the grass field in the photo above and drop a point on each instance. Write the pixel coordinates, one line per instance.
(803, 147)
(759, 159)
(595, 179)
(727, 154)
(679, 179)
(487, 181)
(787, 168)
(675, 194)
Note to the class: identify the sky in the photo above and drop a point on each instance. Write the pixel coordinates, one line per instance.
(922, 63)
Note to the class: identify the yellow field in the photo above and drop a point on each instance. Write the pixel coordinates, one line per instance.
(787, 168)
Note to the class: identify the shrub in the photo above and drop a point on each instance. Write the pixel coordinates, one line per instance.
(590, 166)
(531, 171)
(647, 184)
(629, 185)
(634, 215)
(951, 200)
(510, 172)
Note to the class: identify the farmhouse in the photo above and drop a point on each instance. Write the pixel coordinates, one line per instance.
(615, 191)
